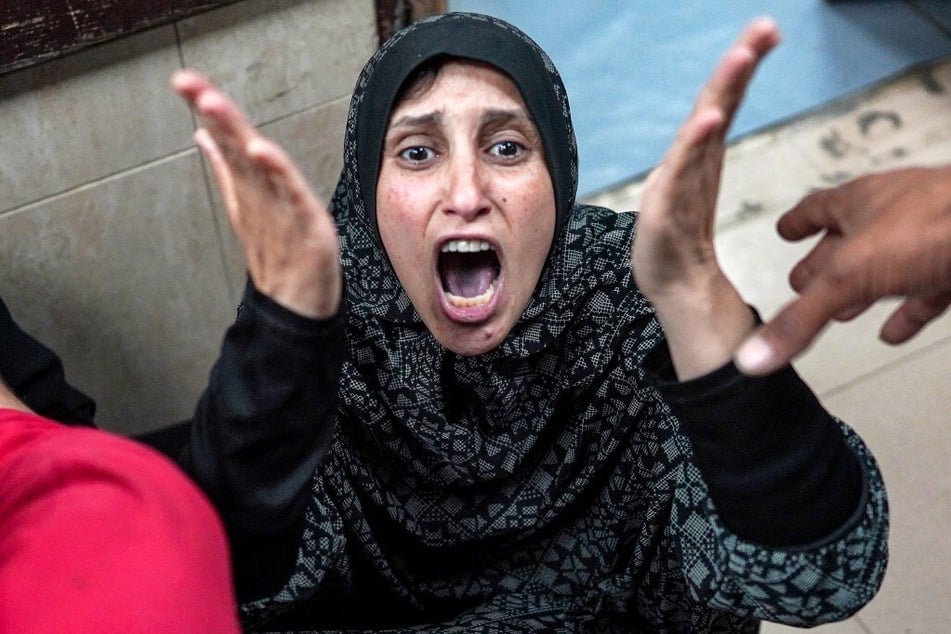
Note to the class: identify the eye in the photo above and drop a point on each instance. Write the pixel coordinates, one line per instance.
(507, 149)
(417, 154)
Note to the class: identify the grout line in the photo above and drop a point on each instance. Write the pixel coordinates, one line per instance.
(858, 621)
(903, 360)
(69, 191)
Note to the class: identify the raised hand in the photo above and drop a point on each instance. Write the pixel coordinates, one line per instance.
(886, 234)
(288, 236)
(673, 257)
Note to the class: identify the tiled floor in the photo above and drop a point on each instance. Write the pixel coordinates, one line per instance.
(896, 397)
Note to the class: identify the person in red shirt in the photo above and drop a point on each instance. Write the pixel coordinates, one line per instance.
(99, 533)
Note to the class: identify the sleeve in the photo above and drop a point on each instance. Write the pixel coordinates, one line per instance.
(783, 507)
(35, 374)
(775, 462)
(260, 431)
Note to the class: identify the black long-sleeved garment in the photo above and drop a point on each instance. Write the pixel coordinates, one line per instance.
(35, 374)
(264, 423)
(777, 466)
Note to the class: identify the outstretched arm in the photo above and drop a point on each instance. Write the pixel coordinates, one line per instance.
(886, 234)
(674, 262)
(778, 479)
(264, 423)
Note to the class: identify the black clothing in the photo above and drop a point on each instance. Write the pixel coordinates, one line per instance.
(561, 481)
(35, 374)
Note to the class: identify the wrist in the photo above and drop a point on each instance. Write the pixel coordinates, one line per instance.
(704, 323)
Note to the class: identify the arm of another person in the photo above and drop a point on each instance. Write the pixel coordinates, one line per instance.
(36, 376)
(778, 468)
(885, 234)
(265, 421)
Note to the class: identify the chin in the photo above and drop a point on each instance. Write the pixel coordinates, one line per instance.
(470, 341)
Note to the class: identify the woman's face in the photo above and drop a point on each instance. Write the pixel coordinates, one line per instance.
(465, 205)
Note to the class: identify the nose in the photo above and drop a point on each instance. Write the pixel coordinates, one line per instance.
(467, 195)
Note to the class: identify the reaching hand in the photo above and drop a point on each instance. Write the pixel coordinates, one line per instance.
(289, 238)
(884, 234)
(673, 256)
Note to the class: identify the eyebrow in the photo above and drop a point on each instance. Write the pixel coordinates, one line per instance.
(495, 116)
(505, 116)
(424, 120)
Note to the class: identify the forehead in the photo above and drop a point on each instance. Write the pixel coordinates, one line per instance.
(463, 84)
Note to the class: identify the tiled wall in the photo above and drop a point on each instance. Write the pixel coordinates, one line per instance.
(114, 249)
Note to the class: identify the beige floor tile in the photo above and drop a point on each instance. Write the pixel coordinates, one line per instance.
(265, 56)
(110, 102)
(851, 626)
(125, 281)
(903, 415)
(763, 175)
(903, 122)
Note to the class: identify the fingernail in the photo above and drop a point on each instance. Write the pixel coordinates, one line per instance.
(754, 356)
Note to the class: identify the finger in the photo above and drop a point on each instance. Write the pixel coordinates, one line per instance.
(206, 98)
(720, 97)
(730, 79)
(913, 315)
(688, 150)
(221, 170)
(214, 143)
(789, 333)
(226, 123)
(851, 312)
(280, 170)
(189, 83)
(815, 263)
(819, 211)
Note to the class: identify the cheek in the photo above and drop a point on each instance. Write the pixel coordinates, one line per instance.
(397, 223)
(392, 205)
(534, 201)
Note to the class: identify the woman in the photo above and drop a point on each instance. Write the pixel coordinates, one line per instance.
(470, 415)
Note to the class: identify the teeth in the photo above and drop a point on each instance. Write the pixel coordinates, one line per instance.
(466, 246)
(478, 300)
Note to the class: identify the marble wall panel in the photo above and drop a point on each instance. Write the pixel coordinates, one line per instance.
(276, 57)
(125, 280)
(87, 116)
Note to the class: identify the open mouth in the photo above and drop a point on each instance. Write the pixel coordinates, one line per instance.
(469, 271)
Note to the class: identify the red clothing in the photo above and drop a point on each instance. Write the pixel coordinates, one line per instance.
(101, 534)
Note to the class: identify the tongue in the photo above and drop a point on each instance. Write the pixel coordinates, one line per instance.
(468, 274)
